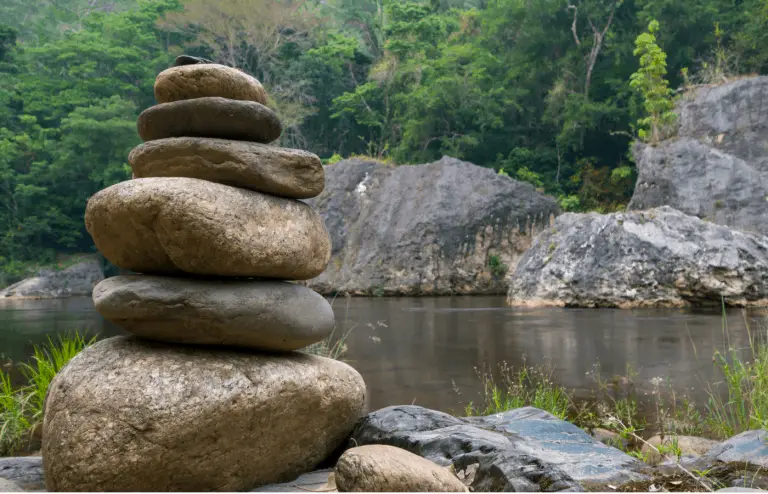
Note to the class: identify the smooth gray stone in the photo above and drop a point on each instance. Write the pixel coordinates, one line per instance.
(268, 315)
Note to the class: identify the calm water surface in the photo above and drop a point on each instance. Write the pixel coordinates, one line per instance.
(421, 350)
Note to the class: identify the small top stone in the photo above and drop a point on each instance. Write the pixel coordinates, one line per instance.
(201, 80)
(189, 60)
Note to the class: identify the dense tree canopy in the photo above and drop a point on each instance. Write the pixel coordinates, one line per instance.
(539, 90)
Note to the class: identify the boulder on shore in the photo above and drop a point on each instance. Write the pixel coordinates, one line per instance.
(655, 258)
(73, 281)
(185, 225)
(716, 166)
(447, 227)
(132, 415)
(523, 450)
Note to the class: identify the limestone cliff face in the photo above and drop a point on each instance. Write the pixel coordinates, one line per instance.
(432, 229)
(716, 167)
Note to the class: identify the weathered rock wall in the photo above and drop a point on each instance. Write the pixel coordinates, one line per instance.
(655, 258)
(432, 229)
(716, 167)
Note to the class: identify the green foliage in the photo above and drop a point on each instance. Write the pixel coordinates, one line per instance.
(497, 266)
(47, 361)
(333, 159)
(650, 80)
(536, 90)
(516, 388)
(21, 410)
(14, 420)
(745, 386)
(569, 203)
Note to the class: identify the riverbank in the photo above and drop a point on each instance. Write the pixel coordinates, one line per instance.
(606, 393)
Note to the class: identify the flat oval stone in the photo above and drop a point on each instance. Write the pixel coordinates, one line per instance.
(268, 315)
(269, 169)
(202, 80)
(210, 117)
(129, 415)
(185, 225)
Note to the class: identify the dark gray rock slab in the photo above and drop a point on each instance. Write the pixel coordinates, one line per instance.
(521, 450)
(544, 436)
(24, 471)
(655, 258)
(426, 229)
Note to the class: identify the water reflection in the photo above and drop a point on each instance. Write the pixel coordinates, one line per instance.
(431, 345)
(420, 350)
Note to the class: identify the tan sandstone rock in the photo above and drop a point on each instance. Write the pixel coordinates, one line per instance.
(380, 468)
(271, 315)
(203, 80)
(269, 169)
(689, 445)
(175, 225)
(210, 117)
(132, 415)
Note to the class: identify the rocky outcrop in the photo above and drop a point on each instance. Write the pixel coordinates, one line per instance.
(716, 167)
(655, 258)
(523, 450)
(128, 415)
(73, 281)
(448, 227)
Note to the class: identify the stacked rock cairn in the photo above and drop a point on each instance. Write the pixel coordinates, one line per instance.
(208, 393)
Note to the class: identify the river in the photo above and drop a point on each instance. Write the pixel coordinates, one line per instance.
(425, 350)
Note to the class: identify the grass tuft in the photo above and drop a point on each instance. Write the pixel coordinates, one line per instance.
(516, 388)
(21, 410)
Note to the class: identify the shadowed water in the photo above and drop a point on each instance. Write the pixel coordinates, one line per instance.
(420, 350)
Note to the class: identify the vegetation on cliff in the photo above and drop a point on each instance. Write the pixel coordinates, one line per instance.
(538, 89)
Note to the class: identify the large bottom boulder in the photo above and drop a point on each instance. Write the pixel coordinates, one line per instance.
(132, 415)
(655, 258)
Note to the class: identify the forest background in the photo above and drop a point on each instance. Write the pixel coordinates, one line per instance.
(539, 90)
